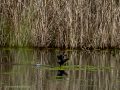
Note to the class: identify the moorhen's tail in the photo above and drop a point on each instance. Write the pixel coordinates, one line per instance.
(65, 59)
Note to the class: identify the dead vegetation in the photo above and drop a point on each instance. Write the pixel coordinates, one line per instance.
(60, 23)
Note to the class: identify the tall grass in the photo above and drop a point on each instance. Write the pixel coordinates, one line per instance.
(60, 23)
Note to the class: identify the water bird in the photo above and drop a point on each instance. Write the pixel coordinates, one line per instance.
(61, 59)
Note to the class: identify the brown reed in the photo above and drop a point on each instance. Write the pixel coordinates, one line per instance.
(60, 23)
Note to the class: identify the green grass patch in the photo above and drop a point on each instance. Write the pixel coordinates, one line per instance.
(6, 48)
(108, 67)
(66, 66)
(57, 50)
(88, 66)
(97, 49)
(71, 50)
(116, 77)
(10, 73)
(92, 68)
(79, 69)
(55, 68)
(2, 83)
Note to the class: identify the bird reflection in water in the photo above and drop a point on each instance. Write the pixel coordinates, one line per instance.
(61, 74)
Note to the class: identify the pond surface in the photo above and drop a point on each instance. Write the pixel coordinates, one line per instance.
(86, 70)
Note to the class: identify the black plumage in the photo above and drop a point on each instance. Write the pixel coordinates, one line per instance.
(61, 59)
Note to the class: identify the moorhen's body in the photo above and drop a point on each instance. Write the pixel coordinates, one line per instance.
(61, 59)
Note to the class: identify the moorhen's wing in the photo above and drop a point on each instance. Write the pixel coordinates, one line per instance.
(65, 60)
(60, 57)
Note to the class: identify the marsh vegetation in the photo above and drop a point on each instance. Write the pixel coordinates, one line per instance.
(60, 23)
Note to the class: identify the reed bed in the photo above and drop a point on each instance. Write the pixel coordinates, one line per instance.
(60, 23)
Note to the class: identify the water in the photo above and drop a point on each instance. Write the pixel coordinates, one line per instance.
(86, 70)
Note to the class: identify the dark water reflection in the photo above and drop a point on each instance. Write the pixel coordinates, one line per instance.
(90, 70)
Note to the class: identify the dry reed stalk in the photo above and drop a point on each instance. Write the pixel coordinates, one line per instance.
(72, 23)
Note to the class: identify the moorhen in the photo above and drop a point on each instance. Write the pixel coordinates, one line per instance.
(61, 59)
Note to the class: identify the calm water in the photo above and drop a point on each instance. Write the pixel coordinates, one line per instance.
(90, 70)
